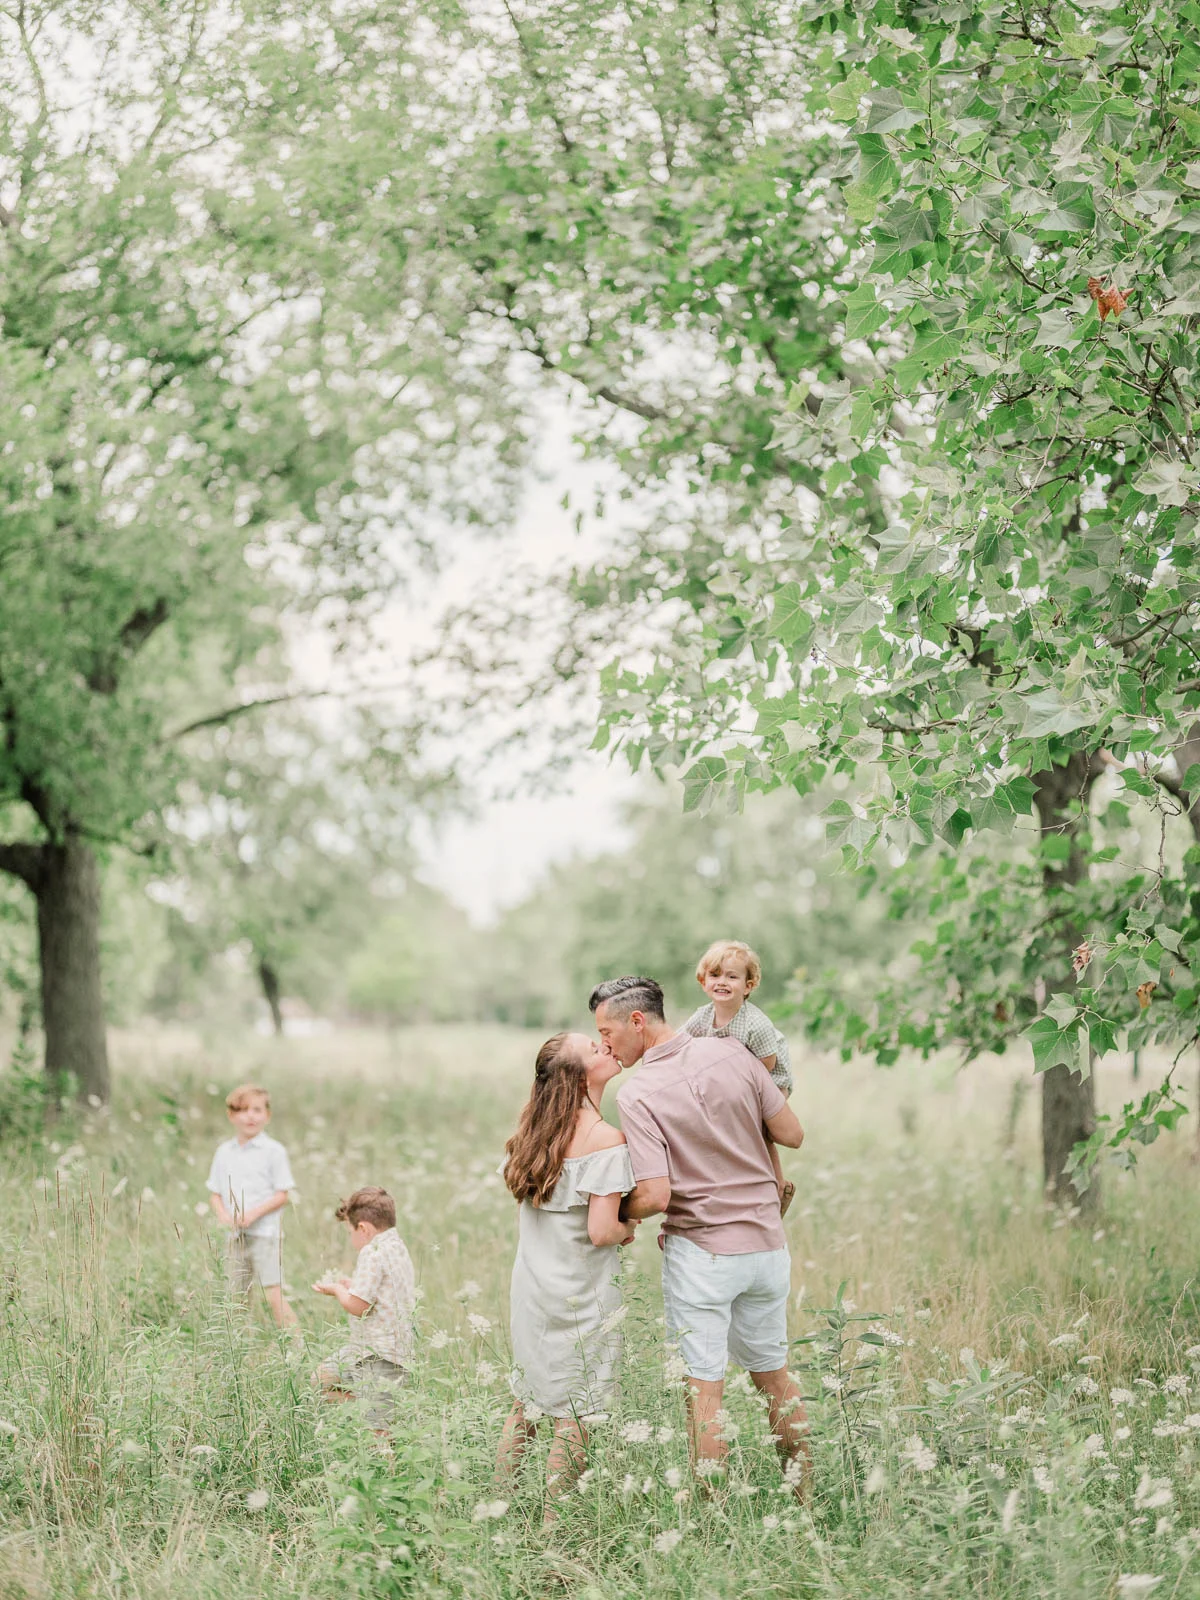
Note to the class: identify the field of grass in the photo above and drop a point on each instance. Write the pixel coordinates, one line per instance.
(1012, 1408)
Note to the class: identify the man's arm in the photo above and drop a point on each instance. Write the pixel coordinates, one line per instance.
(784, 1127)
(647, 1199)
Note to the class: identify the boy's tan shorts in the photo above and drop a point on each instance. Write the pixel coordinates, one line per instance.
(371, 1379)
(254, 1256)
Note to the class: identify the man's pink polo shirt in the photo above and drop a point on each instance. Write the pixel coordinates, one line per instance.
(694, 1113)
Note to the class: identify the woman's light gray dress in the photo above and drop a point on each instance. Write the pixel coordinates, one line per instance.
(566, 1295)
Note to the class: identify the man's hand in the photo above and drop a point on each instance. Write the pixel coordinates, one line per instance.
(646, 1199)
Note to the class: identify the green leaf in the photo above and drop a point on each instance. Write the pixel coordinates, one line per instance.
(703, 782)
(790, 622)
(864, 314)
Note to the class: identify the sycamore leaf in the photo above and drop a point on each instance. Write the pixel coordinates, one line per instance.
(702, 782)
(1053, 1045)
(1172, 483)
(790, 622)
(1046, 712)
(1056, 330)
(863, 312)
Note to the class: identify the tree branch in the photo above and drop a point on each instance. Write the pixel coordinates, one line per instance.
(220, 718)
(23, 861)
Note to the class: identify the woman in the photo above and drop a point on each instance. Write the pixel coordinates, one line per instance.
(569, 1170)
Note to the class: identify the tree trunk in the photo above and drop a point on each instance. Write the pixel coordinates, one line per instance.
(269, 978)
(68, 916)
(1068, 1098)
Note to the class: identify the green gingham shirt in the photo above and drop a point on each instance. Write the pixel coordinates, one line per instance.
(755, 1030)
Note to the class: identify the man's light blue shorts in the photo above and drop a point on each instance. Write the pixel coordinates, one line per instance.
(722, 1308)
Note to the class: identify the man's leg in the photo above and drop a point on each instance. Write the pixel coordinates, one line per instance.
(705, 1438)
(789, 1424)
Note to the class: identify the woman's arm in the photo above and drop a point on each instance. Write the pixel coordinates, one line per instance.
(604, 1223)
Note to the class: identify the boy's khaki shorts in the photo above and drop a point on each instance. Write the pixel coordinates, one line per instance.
(371, 1379)
(254, 1256)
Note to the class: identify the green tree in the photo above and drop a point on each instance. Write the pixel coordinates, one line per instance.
(197, 428)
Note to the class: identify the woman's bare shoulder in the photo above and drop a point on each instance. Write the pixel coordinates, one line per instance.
(602, 1137)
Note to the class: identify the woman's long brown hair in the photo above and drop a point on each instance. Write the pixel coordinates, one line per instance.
(537, 1150)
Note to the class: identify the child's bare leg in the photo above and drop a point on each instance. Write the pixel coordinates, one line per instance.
(568, 1453)
(515, 1438)
(280, 1310)
(332, 1385)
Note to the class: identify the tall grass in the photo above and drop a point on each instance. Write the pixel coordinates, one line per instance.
(156, 1440)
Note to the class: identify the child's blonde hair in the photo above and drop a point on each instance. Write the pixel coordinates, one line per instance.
(237, 1099)
(713, 958)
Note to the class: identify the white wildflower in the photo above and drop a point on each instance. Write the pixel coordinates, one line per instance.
(454, 1469)
(966, 1355)
(1175, 1384)
(486, 1372)
(628, 1486)
(1153, 1493)
(200, 1208)
(1193, 1421)
(1086, 1386)
(1130, 1583)
(834, 1385)
(204, 1451)
(1121, 1434)
(888, 1335)
(674, 1369)
(8, 1428)
(438, 1339)
(918, 1455)
(664, 1435)
(1192, 1353)
(489, 1510)
(1064, 1341)
(1008, 1516)
(637, 1432)
(479, 1326)
(1169, 1430)
(681, 1496)
(614, 1319)
(664, 1543)
(876, 1480)
(1145, 1383)
(1122, 1397)
(148, 1196)
(469, 1291)
(673, 1478)
(849, 1306)
(348, 1506)
(133, 1447)
(584, 1482)
(997, 1470)
(1093, 1445)
(1043, 1479)
(770, 1523)
(257, 1500)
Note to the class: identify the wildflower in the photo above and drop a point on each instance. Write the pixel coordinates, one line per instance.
(673, 1478)
(1086, 1386)
(479, 1326)
(1122, 1397)
(469, 1291)
(200, 1208)
(486, 1372)
(489, 1510)
(148, 1196)
(729, 1428)
(1130, 1583)
(1121, 1434)
(1193, 1352)
(628, 1486)
(888, 1335)
(348, 1506)
(1043, 1480)
(637, 1432)
(682, 1496)
(664, 1435)
(997, 1470)
(1145, 1383)
(834, 1385)
(1175, 1384)
(1009, 1514)
(614, 1319)
(1064, 1341)
(674, 1369)
(664, 1543)
(918, 1455)
(584, 1481)
(1193, 1421)
(1169, 1430)
(438, 1339)
(133, 1447)
(966, 1355)
(257, 1500)
(7, 1427)
(770, 1523)
(454, 1469)
(204, 1451)
(1152, 1493)
(849, 1305)
(1093, 1445)
(876, 1480)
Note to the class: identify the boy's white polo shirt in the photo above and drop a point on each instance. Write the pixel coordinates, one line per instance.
(245, 1175)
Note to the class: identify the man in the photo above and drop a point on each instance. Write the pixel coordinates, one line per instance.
(693, 1118)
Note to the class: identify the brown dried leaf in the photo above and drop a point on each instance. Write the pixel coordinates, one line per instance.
(1081, 960)
(1145, 992)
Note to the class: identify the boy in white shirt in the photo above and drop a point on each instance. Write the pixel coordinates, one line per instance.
(248, 1187)
(379, 1300)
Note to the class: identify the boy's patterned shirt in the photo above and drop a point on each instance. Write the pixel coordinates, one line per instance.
(755, 1030)
(384, 1277)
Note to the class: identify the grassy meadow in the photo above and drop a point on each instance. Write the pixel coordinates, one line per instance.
(1006, 1402)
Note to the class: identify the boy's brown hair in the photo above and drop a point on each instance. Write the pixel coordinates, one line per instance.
(713, 960)
(375, 1206)
(237, 1099)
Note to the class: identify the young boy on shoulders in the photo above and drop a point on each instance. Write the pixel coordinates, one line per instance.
(729, 972)
(248, 1187)
(379, 1300)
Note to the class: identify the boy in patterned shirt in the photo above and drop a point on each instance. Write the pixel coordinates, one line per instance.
(728, 972)
(379, 1299)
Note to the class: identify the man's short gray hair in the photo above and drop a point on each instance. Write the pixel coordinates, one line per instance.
(627, 995)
